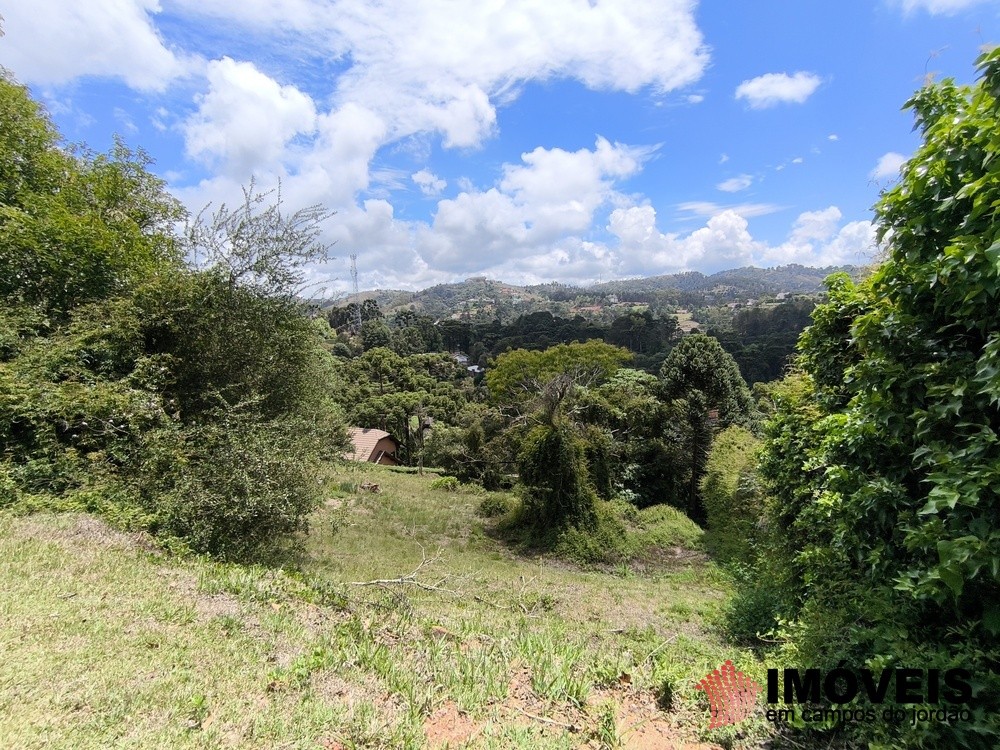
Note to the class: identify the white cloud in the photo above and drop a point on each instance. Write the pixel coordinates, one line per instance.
(695, 98)
(816, 225)
(816, 239)
(420, 73)
(723, 158)
(56, 41)
(936, 7)
(428, 182)
(797, 160)
(746, 210)
(778, 88)
(550, 196)
(833, 137)
(246, 119)
(735, 184)
(888, 166)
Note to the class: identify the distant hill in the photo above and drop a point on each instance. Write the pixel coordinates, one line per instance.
(793, 279)
(689, 289)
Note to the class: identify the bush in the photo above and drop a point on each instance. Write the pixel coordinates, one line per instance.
(448, 484)
(235, 489)
(752, 612)
(734, 506)
(496, 505)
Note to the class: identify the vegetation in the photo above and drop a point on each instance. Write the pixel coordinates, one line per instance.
(882, 460)
(175, 384)
(186, 401)
(479, 648)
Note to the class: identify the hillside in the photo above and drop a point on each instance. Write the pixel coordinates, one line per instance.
(406, 625)
(690, 289)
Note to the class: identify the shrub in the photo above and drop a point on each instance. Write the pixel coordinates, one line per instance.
(235, 489)
(496, 505)
(447, 484)
(734, 505)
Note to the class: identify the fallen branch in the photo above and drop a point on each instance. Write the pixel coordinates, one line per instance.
(410, 579)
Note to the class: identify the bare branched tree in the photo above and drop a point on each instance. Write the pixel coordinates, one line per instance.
(257, 244)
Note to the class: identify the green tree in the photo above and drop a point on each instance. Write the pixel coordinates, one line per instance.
(705, 383)
(74, 227)
(553, 468)
(883, 458)
(188, 402)
(517, 376)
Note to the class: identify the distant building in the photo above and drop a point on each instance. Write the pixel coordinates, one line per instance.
(374, 446)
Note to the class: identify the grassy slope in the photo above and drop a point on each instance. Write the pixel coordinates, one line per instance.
(105, 644)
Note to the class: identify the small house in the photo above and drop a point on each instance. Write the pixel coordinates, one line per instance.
(375, 446)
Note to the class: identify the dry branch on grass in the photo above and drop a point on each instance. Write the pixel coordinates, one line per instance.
(410, 579)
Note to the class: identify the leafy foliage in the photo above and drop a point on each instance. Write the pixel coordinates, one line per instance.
(553, 468)
(884, 456)
(185, 401)
(734, 504)
(706, 383)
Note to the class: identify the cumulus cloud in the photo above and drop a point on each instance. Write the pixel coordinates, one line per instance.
(419, 73)
(429, 183)
(816, 239)
(550, 195)
(888, 166)
(56, 41)
(735, 184)
(778, 88)
(746, 210)
(246, 119)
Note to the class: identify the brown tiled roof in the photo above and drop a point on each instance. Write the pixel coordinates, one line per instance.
(364, 440)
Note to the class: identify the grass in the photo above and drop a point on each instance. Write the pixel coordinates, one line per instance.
(406, 624)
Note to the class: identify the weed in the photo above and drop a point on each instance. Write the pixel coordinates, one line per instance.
(606, 732)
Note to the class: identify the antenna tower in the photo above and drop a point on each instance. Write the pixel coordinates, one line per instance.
(357, 302)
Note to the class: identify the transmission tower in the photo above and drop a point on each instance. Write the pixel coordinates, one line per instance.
(357, 302)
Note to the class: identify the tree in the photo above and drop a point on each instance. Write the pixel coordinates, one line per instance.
(74, 227)
(188, 402)
(553, 468)
(520, 374)
(257, 244)
(703, 378)
(883, 457)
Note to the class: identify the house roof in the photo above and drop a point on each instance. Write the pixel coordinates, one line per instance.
(364, 440)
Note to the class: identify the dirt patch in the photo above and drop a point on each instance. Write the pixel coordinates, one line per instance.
(448, 727)
(641, 725)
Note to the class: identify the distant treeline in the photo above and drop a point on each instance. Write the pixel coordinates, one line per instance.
(760, 339)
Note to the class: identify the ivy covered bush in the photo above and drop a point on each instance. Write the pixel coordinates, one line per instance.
(883, 459)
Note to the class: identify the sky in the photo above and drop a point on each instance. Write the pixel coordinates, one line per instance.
(524, 140)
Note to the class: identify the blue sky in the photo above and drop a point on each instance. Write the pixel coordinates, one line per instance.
(526, 140)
